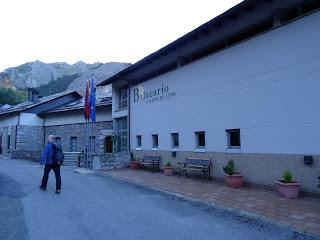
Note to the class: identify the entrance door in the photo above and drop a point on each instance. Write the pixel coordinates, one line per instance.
(108, 144)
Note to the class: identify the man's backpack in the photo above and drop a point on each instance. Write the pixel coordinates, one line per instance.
(58, 155)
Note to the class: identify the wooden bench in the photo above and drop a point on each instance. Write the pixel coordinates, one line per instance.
(150, 160)
(195, 165)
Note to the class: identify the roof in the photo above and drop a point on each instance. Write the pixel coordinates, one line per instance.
(29, 105)
(78, 104)
(215, 35)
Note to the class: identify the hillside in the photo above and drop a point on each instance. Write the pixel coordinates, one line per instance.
(51, 78)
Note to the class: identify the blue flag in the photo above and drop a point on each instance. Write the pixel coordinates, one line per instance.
(92, 101)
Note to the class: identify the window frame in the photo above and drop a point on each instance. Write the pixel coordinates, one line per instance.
(138, 141)
(155, 137)
(197, 134)
(173, 140)
(234, 130)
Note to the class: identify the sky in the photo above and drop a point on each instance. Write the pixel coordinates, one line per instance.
(96, 30)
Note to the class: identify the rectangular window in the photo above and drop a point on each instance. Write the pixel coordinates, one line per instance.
(155, 141)
(58, 140)
(73, 144)
(122, 132)
(9, 140)
(175, 140)
(123, 98)
(200, 139)
(233, 138)
(138, 141)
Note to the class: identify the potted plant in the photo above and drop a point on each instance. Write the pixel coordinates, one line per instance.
(286, 187)
(233, 179)
(134, 163)
(168, 169)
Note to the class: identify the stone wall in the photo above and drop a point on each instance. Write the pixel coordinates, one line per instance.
(65, 132)
(29, 142)
(258, 169)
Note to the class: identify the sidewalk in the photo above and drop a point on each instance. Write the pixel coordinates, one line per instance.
(302, 215)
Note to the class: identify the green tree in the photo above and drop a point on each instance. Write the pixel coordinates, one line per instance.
(12, 97)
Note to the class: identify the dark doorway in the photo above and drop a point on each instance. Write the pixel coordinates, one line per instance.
(108, 144)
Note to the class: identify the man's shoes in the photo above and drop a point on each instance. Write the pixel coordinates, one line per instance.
(43, 188)
(57, 191)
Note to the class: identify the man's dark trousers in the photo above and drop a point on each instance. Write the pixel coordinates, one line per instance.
(47, 168)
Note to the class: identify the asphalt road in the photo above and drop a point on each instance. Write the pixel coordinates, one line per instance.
(98, 207)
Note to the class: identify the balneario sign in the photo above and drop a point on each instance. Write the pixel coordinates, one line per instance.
(154, 95)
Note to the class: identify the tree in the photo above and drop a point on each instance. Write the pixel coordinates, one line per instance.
(11, 97)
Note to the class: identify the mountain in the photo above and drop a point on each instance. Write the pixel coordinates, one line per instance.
(51, 78)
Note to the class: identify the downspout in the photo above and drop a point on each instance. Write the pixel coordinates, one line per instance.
(16, 134)
(44, 131)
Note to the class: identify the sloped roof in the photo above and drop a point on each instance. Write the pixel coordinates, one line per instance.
(102, 99)
(28, 104)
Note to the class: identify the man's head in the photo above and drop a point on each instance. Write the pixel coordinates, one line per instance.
(51, 138)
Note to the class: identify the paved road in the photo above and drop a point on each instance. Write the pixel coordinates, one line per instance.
(98, 207)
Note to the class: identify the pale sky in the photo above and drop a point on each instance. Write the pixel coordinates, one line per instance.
(96, 30)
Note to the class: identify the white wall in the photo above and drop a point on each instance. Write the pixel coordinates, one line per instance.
(6, 121)
(30, 119)
(268, 86)
(72, 117)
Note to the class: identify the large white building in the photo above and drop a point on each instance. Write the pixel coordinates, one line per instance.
(243, 86)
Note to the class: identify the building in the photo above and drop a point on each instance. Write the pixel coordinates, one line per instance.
(243, 86)
(25, 127)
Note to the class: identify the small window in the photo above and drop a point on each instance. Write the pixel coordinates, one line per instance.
(58, 140)
(175, 140)
(200, 139)
(233, 138)
(155, 141)
(9, 140)
(138, 141)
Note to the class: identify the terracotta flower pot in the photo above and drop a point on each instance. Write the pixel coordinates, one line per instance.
(235, 180)
(168, 170)
(288, 190)
(134, 165)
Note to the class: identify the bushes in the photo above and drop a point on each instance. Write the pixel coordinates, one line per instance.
(287, 176)
(229, 168)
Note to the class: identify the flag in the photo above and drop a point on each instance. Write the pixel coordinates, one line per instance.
(86, 107)
(92, 101)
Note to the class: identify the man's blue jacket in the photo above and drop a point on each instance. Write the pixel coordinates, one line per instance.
(47, 155)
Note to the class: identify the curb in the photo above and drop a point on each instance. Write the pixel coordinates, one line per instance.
(219, 206)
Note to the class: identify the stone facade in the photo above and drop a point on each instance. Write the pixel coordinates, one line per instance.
(28, 143)
(66, 132)
(258, 169)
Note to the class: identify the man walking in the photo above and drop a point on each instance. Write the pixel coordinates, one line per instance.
(49, 158)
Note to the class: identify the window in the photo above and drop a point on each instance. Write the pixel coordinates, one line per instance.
(233, 138)
(73, 144)
(155, 141)
(92, 143)
(138, 141)
(200, 139)
(122, 132)
(58, 140)
(9, 140)
(123, 98)
(175, 140)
